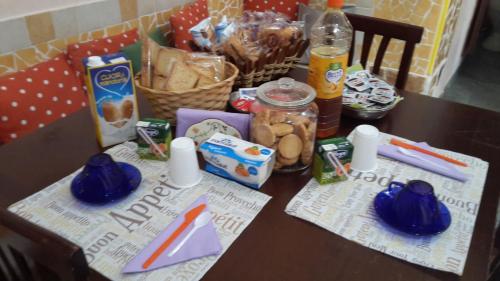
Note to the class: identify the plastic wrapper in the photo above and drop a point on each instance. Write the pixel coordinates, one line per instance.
(171, 69)
(254, 40)
(204, 34)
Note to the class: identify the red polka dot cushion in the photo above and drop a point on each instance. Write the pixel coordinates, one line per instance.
(37, 96)
(107, 45)
(287, 7)
(186, 18)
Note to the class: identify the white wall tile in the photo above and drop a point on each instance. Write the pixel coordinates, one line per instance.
(111, 14)
(65, 22)
(14, 35)
(97, 15)
(146, 7)
(162, 5)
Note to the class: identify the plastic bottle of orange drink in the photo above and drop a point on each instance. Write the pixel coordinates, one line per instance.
(331, 37)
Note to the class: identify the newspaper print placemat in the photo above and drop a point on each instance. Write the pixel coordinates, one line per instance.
(346, 209)
(111, 235)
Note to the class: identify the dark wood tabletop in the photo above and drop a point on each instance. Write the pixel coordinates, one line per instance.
(276, 246)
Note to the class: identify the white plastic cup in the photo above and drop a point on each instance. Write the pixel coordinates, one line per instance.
(184, 171)
(365, 141)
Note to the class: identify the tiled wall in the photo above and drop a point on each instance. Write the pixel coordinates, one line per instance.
(36, 38)
(445, 44)
(425, 13)
(32, 39)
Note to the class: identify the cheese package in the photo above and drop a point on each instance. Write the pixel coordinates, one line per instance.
(232, 158)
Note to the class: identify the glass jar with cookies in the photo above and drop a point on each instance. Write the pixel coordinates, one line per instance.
(284, 117)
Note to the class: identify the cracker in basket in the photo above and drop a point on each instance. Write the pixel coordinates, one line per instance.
(166, 59)
(206, 74)
(182, 77)
(159, 82)
(172, 69)
(217, 63)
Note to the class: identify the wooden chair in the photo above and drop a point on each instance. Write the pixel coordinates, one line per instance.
(371, 26)
(31, 253)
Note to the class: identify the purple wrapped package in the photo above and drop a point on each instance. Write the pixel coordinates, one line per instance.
(200, 125)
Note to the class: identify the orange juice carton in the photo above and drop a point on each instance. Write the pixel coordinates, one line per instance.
(112, 98)
(242, 161)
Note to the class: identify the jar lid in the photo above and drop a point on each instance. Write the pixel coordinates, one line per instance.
(286, 92)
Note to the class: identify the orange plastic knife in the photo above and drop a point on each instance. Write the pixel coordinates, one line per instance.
(189, 217)
(425, 151)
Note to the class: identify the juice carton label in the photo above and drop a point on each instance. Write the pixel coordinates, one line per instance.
(245, 162)
(113, 102)
(327, 75)
(160, 133)
(323, 171)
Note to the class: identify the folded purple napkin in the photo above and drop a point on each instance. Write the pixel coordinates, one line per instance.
(445, 168)
(200, 125)
(204, 242)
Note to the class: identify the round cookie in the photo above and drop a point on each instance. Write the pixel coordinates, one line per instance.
(282, 129)
(298, 119)
(312, 130)
(275, 145)
(290, 146)
(302, 132)
(287, 162)
(307, 153)
(277, 117)
(277, 165)
(315, 107)
(262, 117)
(263, 134)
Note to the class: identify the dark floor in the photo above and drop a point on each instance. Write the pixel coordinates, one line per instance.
(477, 81)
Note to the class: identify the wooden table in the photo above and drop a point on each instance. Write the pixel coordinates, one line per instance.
(277, 246)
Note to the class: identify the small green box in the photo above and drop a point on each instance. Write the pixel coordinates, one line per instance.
(160, 132)
(323, 171)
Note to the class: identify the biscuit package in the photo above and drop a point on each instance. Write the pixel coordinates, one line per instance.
(232, 158)
(252, 41)
(171, 69)
(112, 98)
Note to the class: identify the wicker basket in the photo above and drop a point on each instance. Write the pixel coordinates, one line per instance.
(211, 97)
(278, 66)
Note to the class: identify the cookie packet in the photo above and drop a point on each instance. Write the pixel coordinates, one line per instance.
(229, 157)
(112, 97)
(259, 38)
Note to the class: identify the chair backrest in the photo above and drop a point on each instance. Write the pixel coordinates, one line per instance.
(371, 26)
(31, 253)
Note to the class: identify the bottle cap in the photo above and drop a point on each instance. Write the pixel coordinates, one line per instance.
(335, 3)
